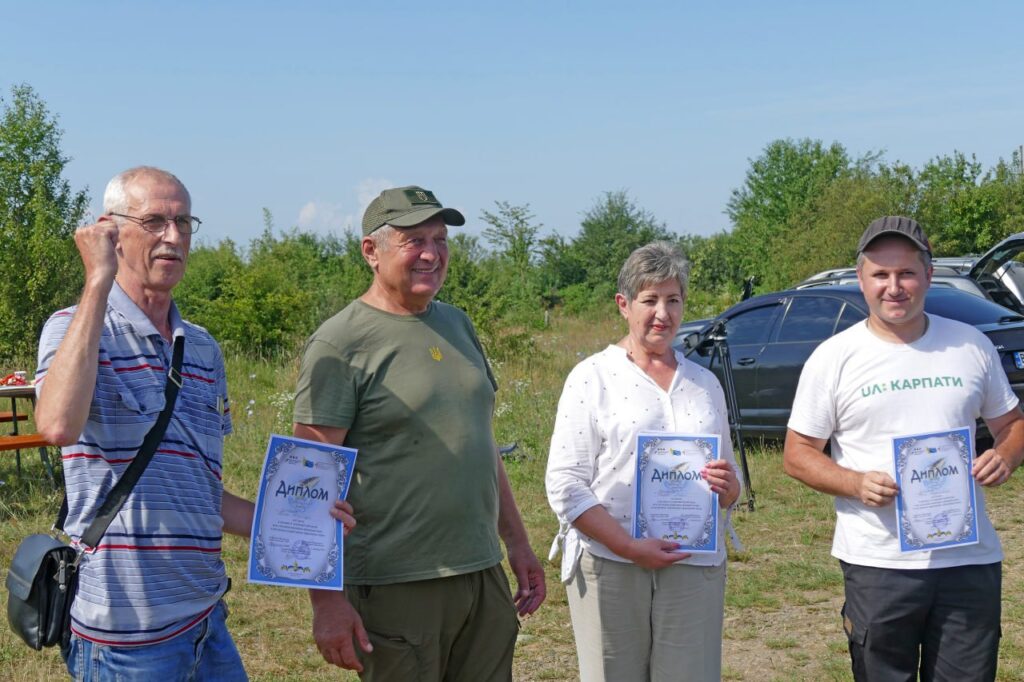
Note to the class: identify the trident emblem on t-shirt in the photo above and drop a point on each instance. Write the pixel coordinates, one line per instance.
(435, 353)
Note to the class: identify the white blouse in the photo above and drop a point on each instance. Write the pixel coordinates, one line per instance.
(606, 400)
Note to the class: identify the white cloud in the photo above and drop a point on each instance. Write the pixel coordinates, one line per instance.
(324, 217)
(307, 214)
(368, 189)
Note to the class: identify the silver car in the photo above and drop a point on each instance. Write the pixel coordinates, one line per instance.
(994, 275)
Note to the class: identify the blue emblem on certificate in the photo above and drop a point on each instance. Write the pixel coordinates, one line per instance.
(935, 506)
(672, 500)
(295, 540)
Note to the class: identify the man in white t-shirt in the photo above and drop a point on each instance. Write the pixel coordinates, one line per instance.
(904, 373)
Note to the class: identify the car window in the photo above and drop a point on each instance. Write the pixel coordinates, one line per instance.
(849, 317)
(810, 318)
(965, 308)
(1015, 271)
(750, 326)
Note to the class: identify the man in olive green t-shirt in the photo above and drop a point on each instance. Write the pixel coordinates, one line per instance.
(403, 379)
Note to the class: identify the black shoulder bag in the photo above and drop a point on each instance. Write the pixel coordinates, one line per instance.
(43, 577)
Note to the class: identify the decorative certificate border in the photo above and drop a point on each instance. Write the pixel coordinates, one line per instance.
(260, 568)
(646, 443)
(967, 532)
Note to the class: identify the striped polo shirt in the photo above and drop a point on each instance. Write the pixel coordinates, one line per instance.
(158, 569)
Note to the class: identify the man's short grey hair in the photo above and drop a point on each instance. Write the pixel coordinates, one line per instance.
(381, 237)
(926, 258)
(653, 264)
(115, 197)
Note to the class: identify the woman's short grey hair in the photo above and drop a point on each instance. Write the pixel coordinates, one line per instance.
(381, 237)
(652, 264)
(115, 197)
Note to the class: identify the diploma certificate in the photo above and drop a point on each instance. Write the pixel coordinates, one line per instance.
(935, 506)
(672, 500)
(295, 540)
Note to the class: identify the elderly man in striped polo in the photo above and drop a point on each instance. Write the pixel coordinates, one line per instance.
(149, 603)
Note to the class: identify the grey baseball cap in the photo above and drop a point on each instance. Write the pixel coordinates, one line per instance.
(898, 225)
(407, 207)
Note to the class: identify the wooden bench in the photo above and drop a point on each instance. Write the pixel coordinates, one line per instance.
(27, 441)
(10, 416)
(23, 441)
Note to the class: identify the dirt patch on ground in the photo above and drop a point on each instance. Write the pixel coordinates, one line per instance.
(793, 642)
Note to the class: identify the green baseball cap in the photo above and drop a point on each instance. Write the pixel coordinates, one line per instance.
(407, 207)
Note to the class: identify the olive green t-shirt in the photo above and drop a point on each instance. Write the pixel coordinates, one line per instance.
(417, 396)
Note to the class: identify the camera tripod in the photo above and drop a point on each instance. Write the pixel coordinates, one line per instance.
(716, 340)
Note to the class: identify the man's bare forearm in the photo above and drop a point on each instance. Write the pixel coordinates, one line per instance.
(812, 467)
(510, 523)
(1008, 437)
(237, 513)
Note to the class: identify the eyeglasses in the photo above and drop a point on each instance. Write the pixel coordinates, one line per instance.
(157, 224)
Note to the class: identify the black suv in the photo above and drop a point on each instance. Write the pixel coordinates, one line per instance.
(772, 335)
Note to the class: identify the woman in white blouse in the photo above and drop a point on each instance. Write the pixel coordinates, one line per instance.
(640, 610)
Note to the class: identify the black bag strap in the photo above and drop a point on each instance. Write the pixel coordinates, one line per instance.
(119, 493)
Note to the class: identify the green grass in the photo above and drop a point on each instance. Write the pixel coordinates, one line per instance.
(783, 595)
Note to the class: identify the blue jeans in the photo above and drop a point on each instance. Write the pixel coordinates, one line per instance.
(204, 652)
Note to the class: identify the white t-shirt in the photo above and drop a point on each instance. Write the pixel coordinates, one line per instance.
(605, 402)
(862, 392)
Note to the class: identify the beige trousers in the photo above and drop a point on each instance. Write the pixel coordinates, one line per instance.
(636, 624)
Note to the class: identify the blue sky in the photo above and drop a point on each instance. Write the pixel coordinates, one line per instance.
(310, 109)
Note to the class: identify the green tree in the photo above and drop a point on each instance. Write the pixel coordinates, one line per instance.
(490, 290)
(512, 232)
(209, 270)
(468, 283)
(1009, 179)
(275, 296)
(787, 177)
(963, 207)
(558, 268)
(713, 264)
(611, 229)
(782, 180)
(38, 216)
(958, 204)
(824, 234)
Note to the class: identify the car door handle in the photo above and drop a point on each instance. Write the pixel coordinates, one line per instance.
(746, 361)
